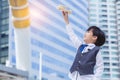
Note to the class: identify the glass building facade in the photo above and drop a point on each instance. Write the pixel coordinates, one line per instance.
(102, 13)
(4, 26)
(118, 27)
(52, 52)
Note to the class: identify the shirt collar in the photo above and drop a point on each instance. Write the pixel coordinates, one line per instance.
(89, 47)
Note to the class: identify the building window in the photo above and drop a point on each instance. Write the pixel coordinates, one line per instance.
(115, 48)
(103, 0)
(112, 6)
(113, 16)
(105, 16)
(44, 79)
(104, 10)
(5, 21)
(93, 20)
(104, 26)
(4, 27)
(13, 59)
(106, 75)
(103, 5)
(115, 53)
(115, 64)
(4, 40)
(103, 21)
(92, 5)
(105, 47)
(105, 58)
(3, 60)
(106, 69)
(35, 66)
(114, 32)
(115, 70)
(113, 37)
(35, 54)
(112, 11)
(93, 15)
(106, 42)
(113, 27)
(113, 21)
(116, 75)
(4, 3)
(105, 53)
(106, 64)
(113, 42)
(115, 58)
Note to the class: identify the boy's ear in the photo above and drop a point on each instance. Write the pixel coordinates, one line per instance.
(95, 38)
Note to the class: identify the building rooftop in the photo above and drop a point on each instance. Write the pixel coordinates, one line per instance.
(8, 73)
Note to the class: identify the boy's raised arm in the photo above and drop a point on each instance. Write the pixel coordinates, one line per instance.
(73, 37)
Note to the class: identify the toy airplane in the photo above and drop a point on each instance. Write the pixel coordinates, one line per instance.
(63, 8)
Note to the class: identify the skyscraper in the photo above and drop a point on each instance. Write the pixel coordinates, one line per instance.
(51, 47)
(102, 13)
(4, 26)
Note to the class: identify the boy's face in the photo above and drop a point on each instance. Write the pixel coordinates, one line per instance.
(89, 38)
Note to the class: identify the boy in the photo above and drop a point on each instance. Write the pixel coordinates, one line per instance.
(88, 64)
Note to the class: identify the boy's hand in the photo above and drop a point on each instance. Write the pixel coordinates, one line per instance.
(65, 12)
(65, 16)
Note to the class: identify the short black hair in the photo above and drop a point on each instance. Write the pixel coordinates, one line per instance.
(99, 33)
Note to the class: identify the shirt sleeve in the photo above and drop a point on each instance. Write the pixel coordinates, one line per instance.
(73, 37)
(99, 67)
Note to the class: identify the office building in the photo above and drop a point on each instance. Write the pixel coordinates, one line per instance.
(52, 52)
(118, 28)
(118, 21)
(4, 26)
(102, 13)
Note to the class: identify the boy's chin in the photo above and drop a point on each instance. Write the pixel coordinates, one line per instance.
(85, 41)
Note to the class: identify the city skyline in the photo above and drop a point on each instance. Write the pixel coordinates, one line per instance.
(49, 37)
(50, 40)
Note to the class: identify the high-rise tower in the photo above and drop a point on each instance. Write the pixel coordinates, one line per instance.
(102, 13)
(4, 30)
